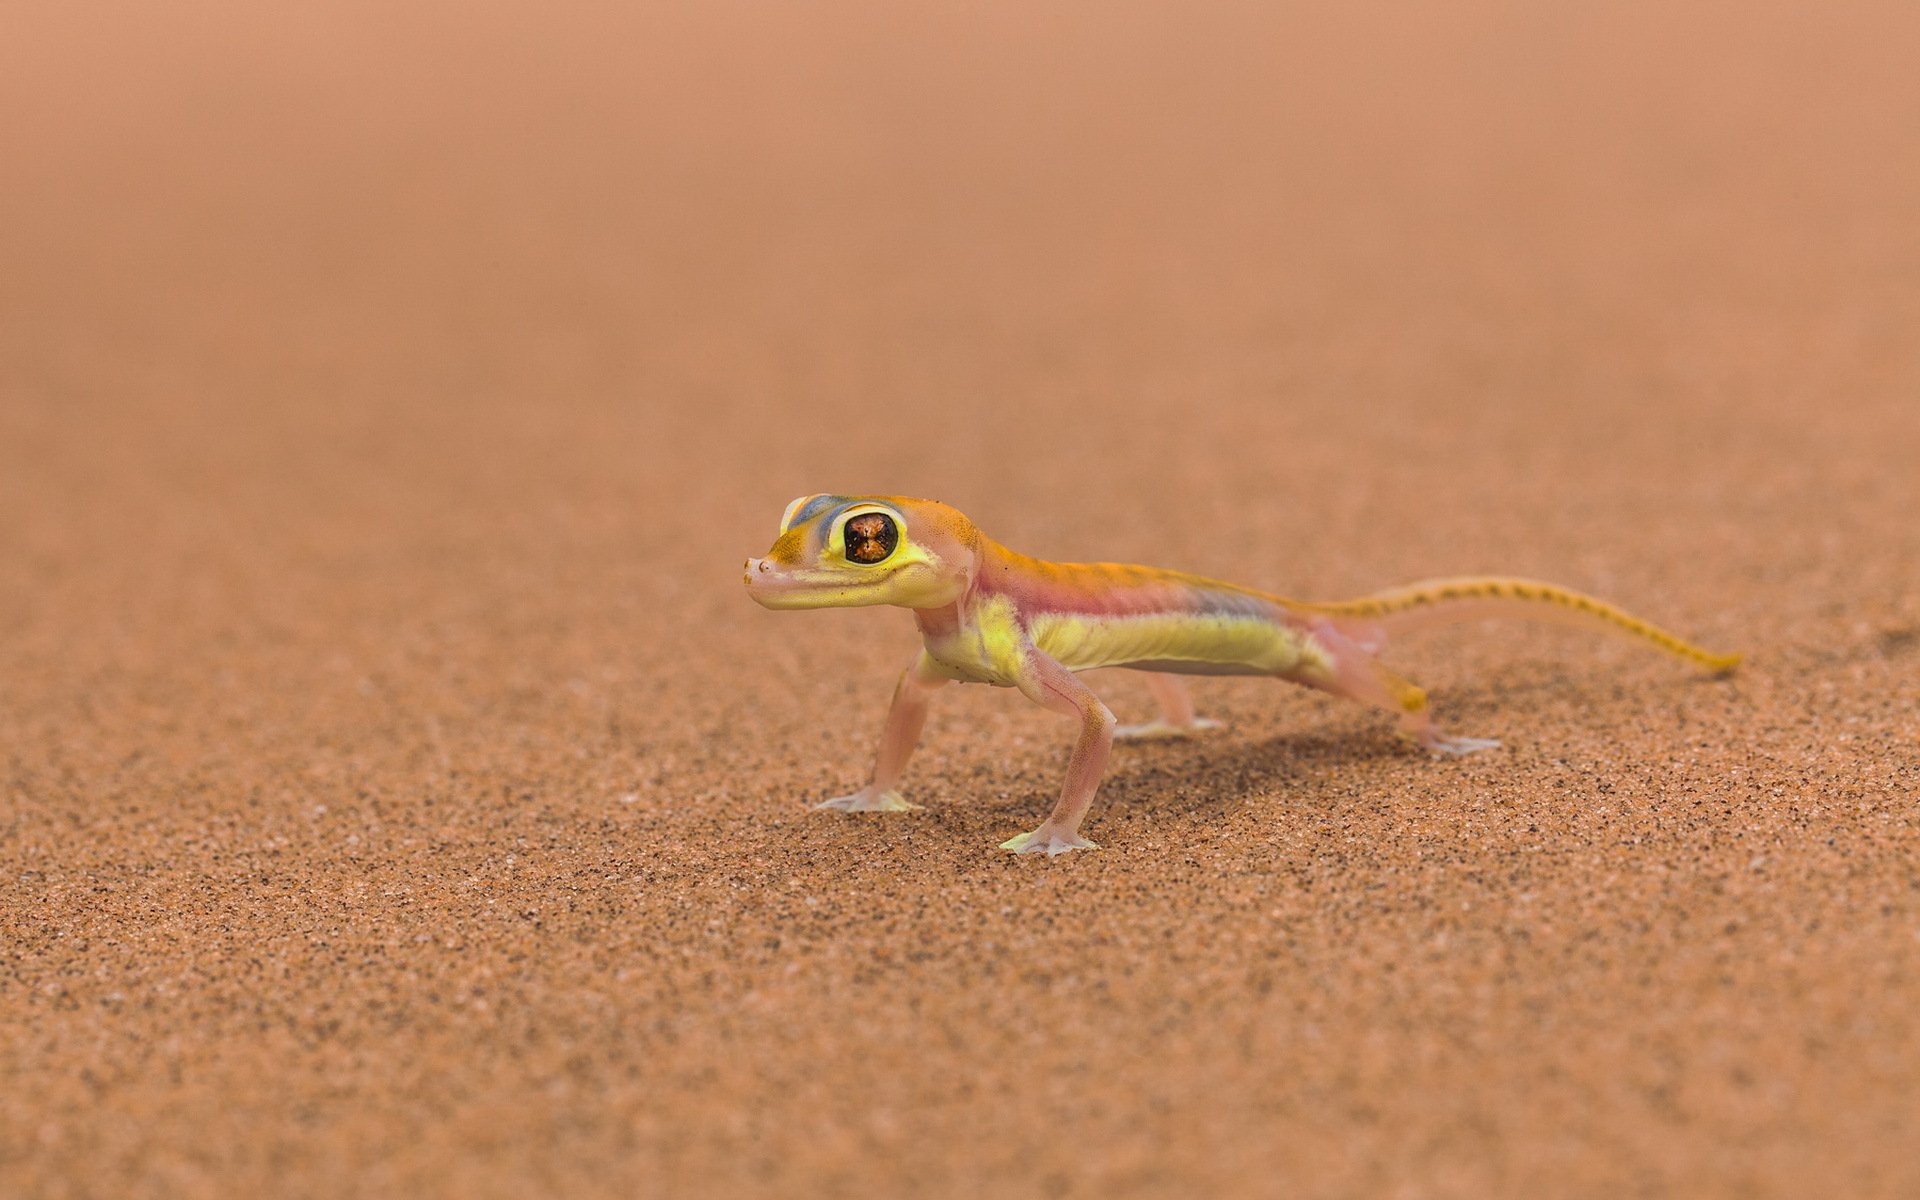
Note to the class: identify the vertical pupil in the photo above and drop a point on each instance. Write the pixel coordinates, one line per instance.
(871, 537)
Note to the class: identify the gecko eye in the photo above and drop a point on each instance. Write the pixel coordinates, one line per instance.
(871, 538)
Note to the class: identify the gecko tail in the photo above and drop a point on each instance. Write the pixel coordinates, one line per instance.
(1449, 601)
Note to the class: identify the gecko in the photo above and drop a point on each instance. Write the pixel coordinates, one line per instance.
(988, 614)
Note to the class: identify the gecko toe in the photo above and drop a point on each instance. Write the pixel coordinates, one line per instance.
(1453, 747)
(863, 801)
(1048, 841)
(1161, 730)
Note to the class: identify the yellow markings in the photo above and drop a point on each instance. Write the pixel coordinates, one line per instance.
(990, 648)
(787, 547)
(1001, 637)
(1524, 591)
(1082, 643)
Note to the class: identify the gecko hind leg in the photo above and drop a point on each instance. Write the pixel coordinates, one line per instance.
(1176, 719)
(1358, 676)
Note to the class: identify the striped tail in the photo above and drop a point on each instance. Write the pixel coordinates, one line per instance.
(1446, 601)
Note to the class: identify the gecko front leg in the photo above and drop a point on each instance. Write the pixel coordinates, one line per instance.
(905, 717)
(1176, 719)
(1047, 683)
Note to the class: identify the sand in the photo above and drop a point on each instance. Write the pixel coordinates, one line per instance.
(399, 796)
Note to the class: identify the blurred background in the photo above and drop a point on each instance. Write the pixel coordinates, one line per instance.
(263, 270)
(388, 394)
(375, 317)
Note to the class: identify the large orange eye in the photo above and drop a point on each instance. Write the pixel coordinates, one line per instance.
(871, 537)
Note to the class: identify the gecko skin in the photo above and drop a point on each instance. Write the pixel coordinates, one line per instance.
(990, 615)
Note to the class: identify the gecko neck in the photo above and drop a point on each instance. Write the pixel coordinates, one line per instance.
(938, 624)
(946, 621)
(995, 573)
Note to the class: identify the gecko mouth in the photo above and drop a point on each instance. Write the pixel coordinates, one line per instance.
(772, 587)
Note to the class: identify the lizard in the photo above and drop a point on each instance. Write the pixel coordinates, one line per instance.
(989, 614)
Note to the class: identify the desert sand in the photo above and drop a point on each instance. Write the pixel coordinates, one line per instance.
(400, 797)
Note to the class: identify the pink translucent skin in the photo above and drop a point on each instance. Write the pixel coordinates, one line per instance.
(905, 717)
(1051, 685)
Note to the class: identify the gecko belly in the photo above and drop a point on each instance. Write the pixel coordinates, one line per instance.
(1181, 643)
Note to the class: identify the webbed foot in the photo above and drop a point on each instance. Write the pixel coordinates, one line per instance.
(1442, 744)
(868, 800)
(1049, 841)
(1156, 730)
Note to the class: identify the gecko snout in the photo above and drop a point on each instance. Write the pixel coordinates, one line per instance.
(759, 576)
(774, 586)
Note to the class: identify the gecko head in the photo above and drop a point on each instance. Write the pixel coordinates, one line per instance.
(850, 551)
